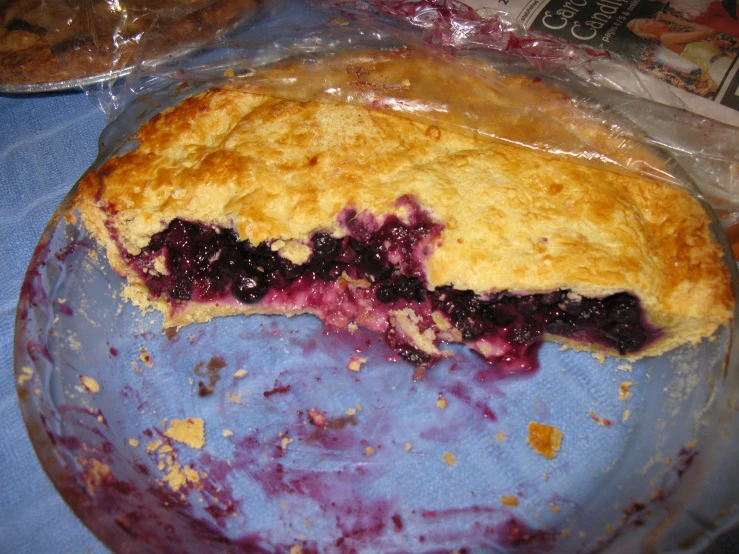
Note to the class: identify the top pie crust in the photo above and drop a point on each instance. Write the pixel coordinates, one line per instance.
(514, 219)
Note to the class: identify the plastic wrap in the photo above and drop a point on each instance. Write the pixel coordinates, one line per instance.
(538, 87)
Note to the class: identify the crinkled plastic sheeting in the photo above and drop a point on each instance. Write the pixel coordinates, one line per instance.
(468, 73)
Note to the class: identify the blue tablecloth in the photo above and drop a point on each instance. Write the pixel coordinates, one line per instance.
(46, 143)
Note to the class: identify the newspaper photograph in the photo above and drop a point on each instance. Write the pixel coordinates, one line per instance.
(691, 45)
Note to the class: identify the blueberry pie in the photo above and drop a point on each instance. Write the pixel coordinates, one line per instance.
(238, 203)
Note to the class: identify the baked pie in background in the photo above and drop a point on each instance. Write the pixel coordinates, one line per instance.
(49, 42)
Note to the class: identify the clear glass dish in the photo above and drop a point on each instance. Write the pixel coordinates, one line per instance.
(642, 467)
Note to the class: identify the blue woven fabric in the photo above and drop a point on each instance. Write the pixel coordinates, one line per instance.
(46, 143)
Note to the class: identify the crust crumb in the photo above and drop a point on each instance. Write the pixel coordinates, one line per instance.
(509, 500)
(544, 439)
(355, 363)
(90, 384)
(450, 458)
(26, 374)
(190, 431)
(603, 422)
(624, 392)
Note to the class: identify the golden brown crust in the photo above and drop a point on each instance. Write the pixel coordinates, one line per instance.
(514, 219)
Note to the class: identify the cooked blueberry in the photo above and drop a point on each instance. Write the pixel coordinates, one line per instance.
(572, 306)
(471, 328)
(266, 258)
(330, 272)
(387, 293)
(325, 247)
(527, 304)
(631, 342)
(249, 287)
(550, 298)
(375, 265)
(525, 334)
(499, 315)
(289, 270)
(410, 288)
(180, 233)
(231, 260)
(622, 308)
(413, 355)
(595, 312)
(180, 290)
(460, 305)
(562, 328)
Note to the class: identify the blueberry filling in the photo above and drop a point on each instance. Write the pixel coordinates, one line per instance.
(384, 263)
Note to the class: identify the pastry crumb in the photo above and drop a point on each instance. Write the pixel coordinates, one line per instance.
(316, 417)
(146, 358)
(603, 422)
(26, 374)
(233, 397)
(352, 327)
(626, 416)
(350, 411)
(509, 500)
(355, 363)
(408, 447)
(500, 436)
(625, 367)
(90, 384)
(450, 458)
(190, 431)
(228, 73)
(179, 476)
(544, 439)
(441, 403)
(554, 507)
(227, 433)
(240, 374)
(153, 445)
(133, 442)
(624, 392)
(369, 451)
(285, 442)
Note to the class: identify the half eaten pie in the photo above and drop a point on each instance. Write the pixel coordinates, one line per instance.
(238, 203)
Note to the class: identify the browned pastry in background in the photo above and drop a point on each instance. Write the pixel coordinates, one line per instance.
(46, 43)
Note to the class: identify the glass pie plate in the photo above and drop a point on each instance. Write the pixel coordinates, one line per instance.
(302, 454)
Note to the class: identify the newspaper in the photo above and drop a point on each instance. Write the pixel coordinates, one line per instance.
(680, 52)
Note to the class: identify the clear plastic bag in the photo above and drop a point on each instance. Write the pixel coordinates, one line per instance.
(538, 87)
